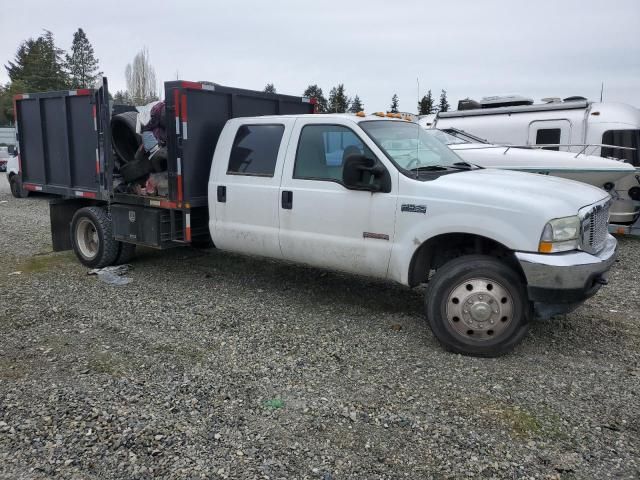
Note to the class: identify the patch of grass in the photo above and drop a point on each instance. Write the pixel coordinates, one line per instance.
(522, 423)
(274, 403)
(106, 362)
(44, 262)
(12, 369)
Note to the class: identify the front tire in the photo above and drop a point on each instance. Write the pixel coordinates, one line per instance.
(92, 237)
(478, 305)
(16, 187)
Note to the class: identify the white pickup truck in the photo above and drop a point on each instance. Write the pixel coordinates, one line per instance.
(369, 195)
(382, 198)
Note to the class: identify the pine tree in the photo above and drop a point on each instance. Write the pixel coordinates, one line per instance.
(38, 65)
(444, 104)
(338, 100)
(314, 91)
(394, 104)
(270, 88)
(122, 98)
(425, 105)
(82, 65)
(356, 105)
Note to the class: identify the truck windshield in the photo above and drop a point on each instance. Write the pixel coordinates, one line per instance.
(410, 147)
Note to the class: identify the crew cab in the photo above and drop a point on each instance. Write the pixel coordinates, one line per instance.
(382, 198)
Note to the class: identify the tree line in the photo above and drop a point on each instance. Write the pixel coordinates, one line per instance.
(40, 65)
(339, 102)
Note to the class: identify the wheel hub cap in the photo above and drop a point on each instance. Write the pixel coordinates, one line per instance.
(479, 309)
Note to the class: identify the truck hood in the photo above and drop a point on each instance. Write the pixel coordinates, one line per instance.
(525, 192)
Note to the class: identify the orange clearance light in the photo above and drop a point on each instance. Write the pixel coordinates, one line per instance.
(360, 114)
(379, 114)
(545, 247)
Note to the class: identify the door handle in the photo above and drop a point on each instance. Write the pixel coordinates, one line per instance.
(222, 193)
(287, 199)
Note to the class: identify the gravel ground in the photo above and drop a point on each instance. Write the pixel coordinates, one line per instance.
(211, 365)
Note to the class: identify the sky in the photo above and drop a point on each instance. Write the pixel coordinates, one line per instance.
(375, 48)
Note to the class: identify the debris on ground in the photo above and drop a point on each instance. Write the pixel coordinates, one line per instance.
(113, 274)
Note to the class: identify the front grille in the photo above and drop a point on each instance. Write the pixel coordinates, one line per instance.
(595, 227)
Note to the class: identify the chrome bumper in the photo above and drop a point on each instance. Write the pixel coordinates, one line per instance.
(567, 278)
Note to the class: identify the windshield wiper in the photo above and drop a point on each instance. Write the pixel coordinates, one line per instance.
(462, 166)
(428, 168)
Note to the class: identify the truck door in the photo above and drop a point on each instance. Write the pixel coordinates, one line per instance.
(545, 132)
(244, 190)
(322, 223)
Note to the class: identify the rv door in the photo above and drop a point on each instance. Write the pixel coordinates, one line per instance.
(550, 132)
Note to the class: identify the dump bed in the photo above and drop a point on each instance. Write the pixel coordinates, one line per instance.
(65, 149)
(59, 143)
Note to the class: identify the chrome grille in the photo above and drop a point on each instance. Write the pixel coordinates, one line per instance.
(595, 227)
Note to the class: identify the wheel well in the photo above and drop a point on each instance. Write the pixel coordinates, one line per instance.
(437, 251)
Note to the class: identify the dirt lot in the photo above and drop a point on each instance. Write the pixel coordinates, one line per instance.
(210, 365)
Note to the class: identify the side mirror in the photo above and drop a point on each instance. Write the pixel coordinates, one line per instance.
(362, 173)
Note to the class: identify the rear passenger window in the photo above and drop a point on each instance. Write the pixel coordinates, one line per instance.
(548, 136)
(255, 150)
(322, 150)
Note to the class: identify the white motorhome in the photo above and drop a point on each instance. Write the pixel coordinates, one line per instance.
(573, 125)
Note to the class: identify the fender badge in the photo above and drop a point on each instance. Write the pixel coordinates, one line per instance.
(411, 208)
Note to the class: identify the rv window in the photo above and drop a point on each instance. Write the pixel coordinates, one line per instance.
(622, 138)
(255, 150)
(548, 136)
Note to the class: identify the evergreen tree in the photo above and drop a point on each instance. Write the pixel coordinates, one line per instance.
(82, 65)
(444, 104)
(425, 105)
(269, 88)
(338, 100)
(394, 104)
(122, 98)
(314, 91)
(356, 105)
(38, 65)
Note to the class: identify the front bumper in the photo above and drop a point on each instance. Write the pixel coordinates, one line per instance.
(558, 283)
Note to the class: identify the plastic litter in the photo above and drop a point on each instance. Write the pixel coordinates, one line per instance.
(113, 274)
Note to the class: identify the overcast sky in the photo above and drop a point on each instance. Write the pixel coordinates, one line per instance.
(375, 47)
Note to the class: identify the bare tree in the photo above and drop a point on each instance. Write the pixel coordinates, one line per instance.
(141, 79)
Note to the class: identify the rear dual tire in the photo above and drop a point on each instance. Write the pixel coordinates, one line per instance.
(93, 242)
(477, 305)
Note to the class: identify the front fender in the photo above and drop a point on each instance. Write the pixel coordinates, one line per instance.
(418, 231)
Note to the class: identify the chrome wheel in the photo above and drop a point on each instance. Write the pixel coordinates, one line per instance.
(479, 309)
(87, 238)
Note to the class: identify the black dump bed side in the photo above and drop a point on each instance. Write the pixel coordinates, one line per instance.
(58, 142)
(199, 112)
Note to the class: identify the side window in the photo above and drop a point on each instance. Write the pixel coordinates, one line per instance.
(322, 150)
(622, 138)
(255, 150)
(548, 135)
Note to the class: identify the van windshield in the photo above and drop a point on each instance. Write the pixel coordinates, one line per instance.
(622, 138)
(410, 147)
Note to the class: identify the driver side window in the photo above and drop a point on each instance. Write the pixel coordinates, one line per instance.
(322, 150)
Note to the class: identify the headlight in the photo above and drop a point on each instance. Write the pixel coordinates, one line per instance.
(560, 235)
